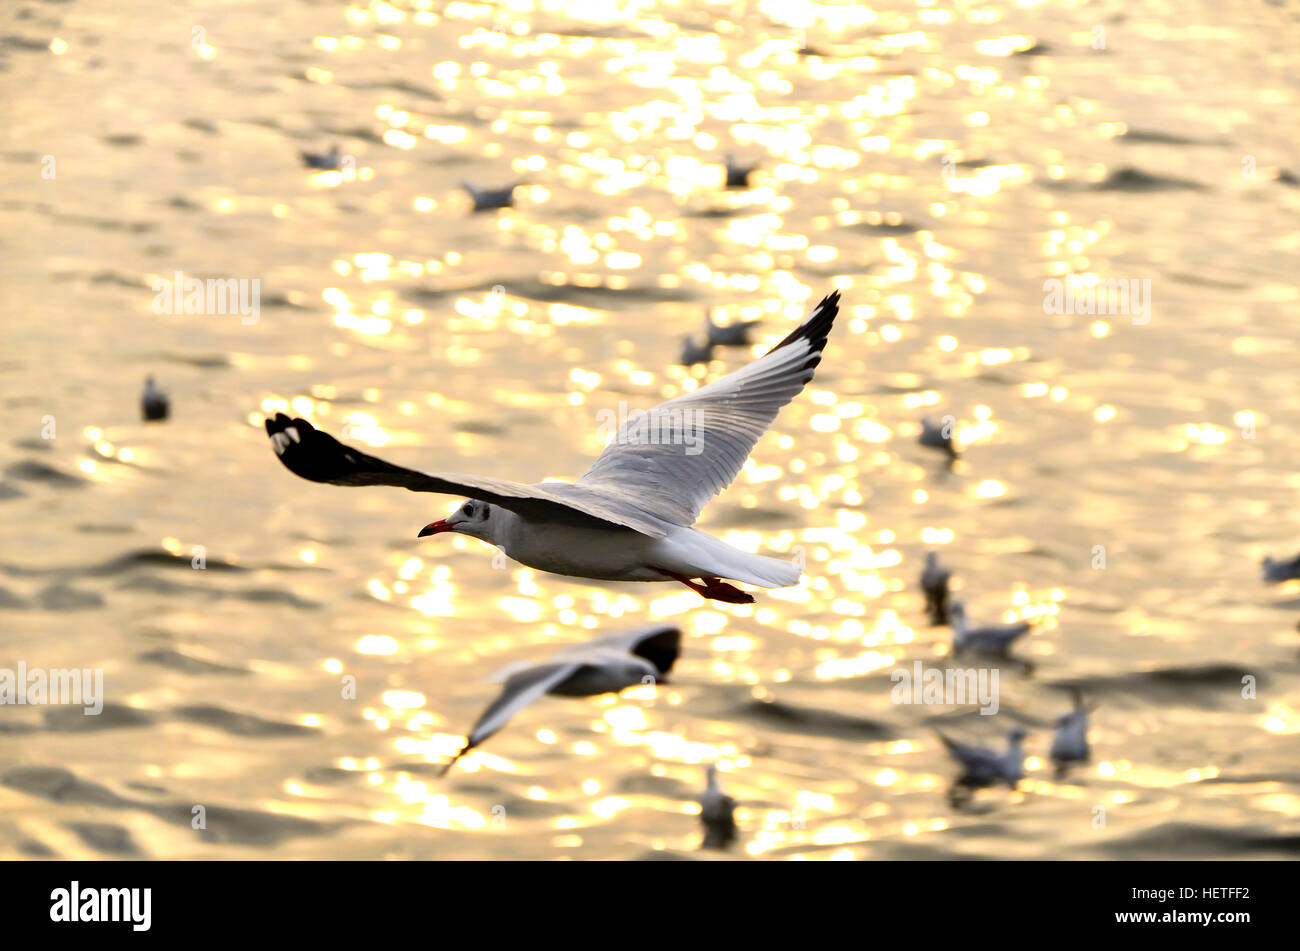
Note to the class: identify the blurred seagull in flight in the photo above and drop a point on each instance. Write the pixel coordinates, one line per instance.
(629, 517)
(934, 582)
(993, 639)
(982, 766)
(608, 664)
(735, 334)
(1070, 744)
(330, 161)
(1277, 571)
(486, 199)
(154, 405)
(717, 814)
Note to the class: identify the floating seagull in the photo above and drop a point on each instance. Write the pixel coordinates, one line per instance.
(734, 334)
(934, 582)
(1275, 572)
(330, 161)
(693, 352)
(717, 814)
(986, 639)
(154, 404)
(485, 199)
(938, 435)
(1070, 744)
(629, 517)
(982, 767)
(738, 175)
(608, 664)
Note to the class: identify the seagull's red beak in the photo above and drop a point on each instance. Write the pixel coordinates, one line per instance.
(433, 528)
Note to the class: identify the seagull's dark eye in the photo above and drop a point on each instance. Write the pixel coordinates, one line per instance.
(468, 510)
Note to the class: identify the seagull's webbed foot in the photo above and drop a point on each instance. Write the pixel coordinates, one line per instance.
(719, 590)
(714, 588)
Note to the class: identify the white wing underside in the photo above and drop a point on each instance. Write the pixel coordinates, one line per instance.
(670, 461)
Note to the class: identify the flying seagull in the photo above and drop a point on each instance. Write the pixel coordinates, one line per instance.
(717, 814)
(486, 199)
(154, 404)
(934, 582)
(606, 665)
(629, 517)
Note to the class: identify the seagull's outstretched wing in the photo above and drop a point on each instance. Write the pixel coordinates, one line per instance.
(519, 691)
(319, 457)
(672, 459)
(660, 644)
(975, 759)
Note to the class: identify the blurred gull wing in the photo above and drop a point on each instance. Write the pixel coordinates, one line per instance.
(520, 689)
(660, 477)
(977, 762)
(318, 457)
(660, 644)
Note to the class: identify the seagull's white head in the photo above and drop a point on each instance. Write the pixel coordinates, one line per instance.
(472, 518)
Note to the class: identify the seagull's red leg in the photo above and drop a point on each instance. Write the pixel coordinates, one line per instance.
(719, 590)
(713, 588)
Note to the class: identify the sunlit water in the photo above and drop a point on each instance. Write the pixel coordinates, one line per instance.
(1122, 477)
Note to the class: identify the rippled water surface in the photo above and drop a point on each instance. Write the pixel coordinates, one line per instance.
(1122, 476)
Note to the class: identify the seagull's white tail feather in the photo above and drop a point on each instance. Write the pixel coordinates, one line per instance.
(708, 556)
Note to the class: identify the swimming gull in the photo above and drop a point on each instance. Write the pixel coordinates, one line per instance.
(154, 404)
(985, 639)
(717, 814)
(1070, 744)
(934, 582)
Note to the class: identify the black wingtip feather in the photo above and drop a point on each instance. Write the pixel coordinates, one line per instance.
(815, 329)
(317, 456)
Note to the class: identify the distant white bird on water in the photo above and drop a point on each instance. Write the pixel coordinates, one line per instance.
(1278, 570)
(937, 434)
(694, 352)
(1070, 744)
(934, 582)
(608, 664)
(982, 766)
(735, 334)
(330, 161)
(717, 814)
(993, 639)
(629, 517)
(154, 405)
(486, 199)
